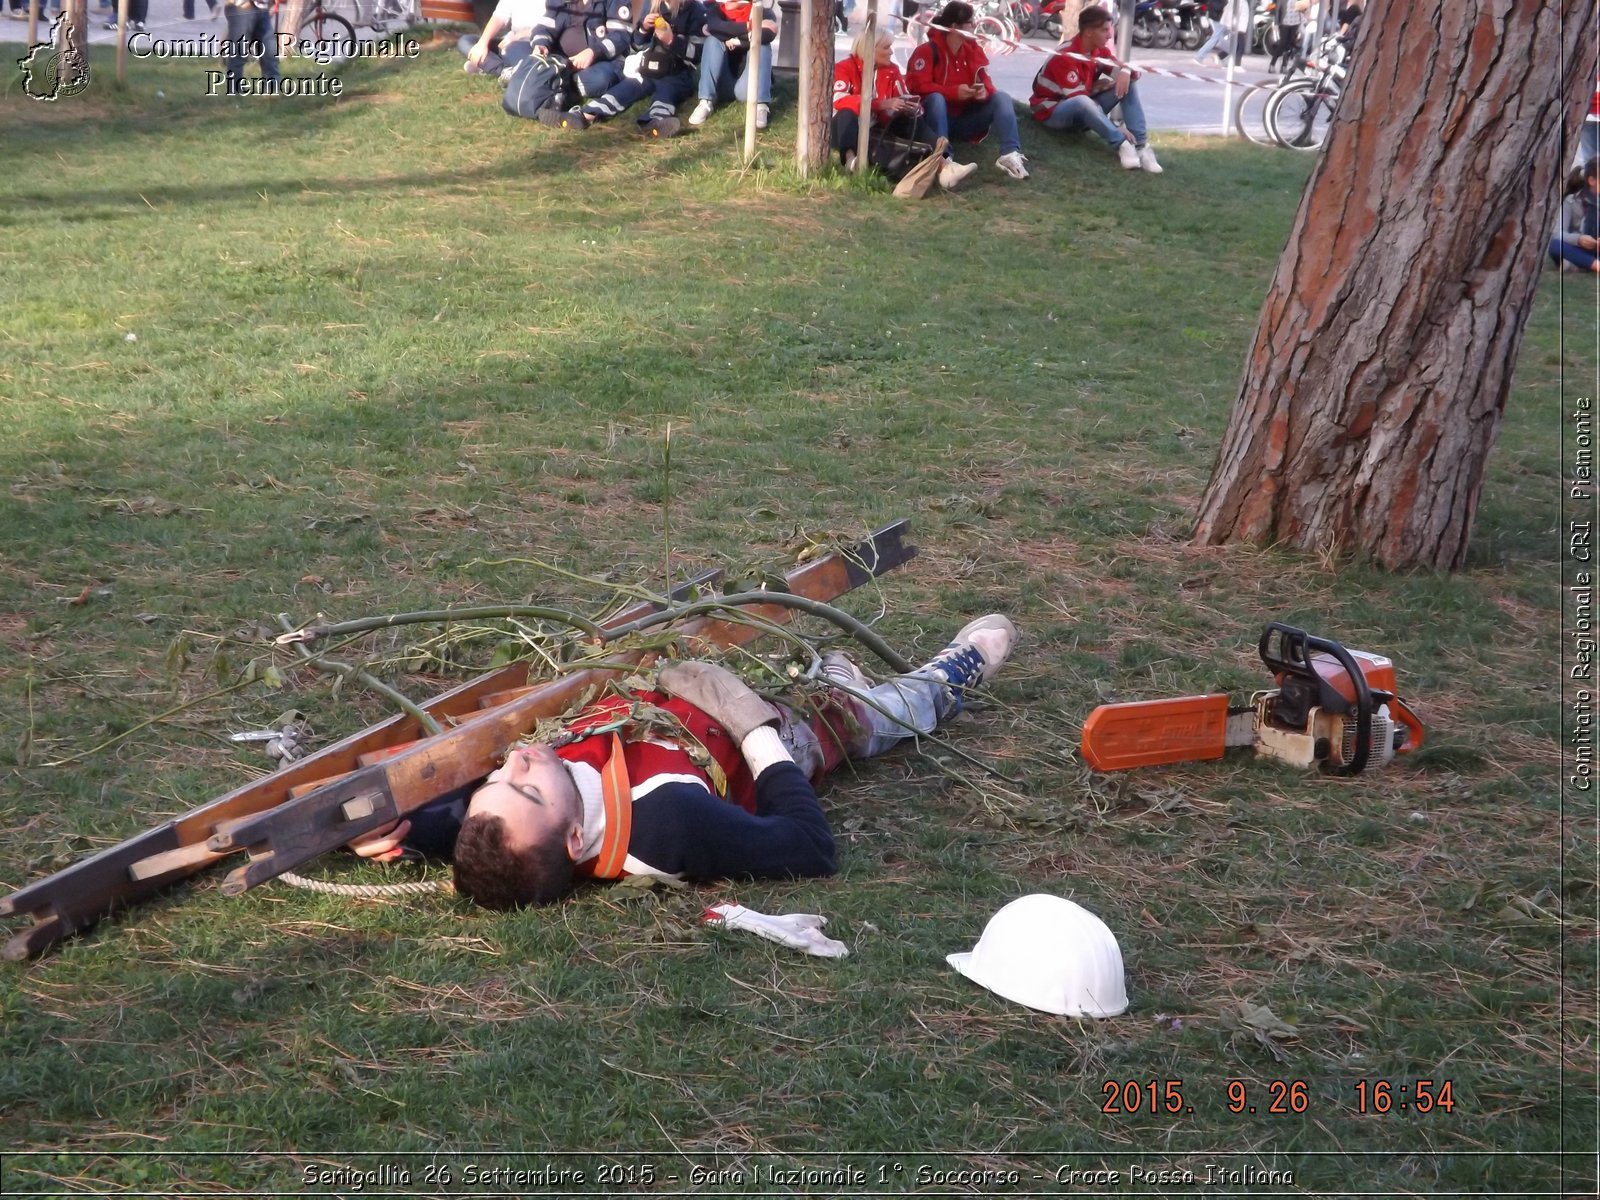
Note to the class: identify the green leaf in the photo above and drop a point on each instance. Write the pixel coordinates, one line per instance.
(271, 676)
(177, 659)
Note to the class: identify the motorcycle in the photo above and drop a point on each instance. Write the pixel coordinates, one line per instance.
(1189, 22)
(1150, 26)
(1050, 19)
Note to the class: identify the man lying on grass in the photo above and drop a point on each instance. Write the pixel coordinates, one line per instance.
(701, 780)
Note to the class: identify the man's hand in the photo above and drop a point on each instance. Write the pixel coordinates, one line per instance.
(582, 60)
(965, 91)
(720, 694)
(1124, 79)
(383, 845)
(733, 43)
(541, 52)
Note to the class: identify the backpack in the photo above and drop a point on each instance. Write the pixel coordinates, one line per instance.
(536, 83)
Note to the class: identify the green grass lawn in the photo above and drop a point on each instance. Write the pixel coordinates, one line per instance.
(381, 353)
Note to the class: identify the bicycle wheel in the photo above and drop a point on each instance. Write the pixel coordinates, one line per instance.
(326, 38)
(1250, 115)
(1298, 115)
(993, 34)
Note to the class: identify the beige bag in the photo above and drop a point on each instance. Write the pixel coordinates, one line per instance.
(920, 178)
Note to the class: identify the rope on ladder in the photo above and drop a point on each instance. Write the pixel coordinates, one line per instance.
(367, 891)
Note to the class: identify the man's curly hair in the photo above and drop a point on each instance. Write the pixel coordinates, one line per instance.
(488, 872)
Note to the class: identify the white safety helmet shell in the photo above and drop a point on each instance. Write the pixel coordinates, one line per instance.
(1050, 954)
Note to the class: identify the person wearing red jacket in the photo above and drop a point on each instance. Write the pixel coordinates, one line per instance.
(951, 73)
(893, 106)
(701, 779)
(1083, 82)
(725, 57)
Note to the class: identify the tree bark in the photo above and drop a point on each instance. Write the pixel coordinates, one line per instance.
(816, 85)
(1381, 363)
(75, 29)
(1070, 9)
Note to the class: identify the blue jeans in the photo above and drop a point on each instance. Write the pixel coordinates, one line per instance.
(879, 717)
(249, 29)
(1219, 34)
(1092, 112)
(507, 56)
(1563, 250)
(722, 75)
(972, 122)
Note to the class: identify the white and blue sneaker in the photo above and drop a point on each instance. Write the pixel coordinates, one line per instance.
(974, 655)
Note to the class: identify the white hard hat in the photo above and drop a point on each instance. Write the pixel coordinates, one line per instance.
(1050, 954)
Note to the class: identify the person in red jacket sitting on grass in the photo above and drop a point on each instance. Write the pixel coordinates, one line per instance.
(894, 108)
(1083, 82)
(701, 779)
(959, 101)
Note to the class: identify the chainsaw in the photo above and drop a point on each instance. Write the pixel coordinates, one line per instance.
(1331, 706)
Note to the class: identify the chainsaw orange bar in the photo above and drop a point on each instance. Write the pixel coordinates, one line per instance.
(1149, 733)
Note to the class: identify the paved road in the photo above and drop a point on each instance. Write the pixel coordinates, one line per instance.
(1171, 105)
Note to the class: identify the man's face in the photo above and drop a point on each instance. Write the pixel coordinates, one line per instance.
(1096, 36)
(535, 797)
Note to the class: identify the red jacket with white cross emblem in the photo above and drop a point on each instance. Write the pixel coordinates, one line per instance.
(1069, 73)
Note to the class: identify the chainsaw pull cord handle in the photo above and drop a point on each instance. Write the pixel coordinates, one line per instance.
(1295, 655)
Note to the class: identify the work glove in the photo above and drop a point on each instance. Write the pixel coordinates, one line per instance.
(798, 931)
(720, 694)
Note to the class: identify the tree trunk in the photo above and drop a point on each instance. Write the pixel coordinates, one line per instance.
(1069, 18)
(1380, 367)
(816, 85)
(75, 30)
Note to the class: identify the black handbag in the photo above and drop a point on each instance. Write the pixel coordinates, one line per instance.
(895, 154)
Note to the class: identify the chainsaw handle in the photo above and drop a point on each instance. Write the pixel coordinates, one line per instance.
(1291, 655)
(1294, 656)
(1397, 707)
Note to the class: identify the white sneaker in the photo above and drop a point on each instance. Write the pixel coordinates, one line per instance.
(1013, 164)
(953, 173)
(838, 668)
(1128, 154)
(978, 651)
(702, 112)
(764, 111)
(1147, 160)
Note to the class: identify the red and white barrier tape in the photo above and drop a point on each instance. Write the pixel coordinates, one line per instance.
(1011, 46)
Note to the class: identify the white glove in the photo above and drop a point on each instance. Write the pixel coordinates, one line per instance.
(799, 931)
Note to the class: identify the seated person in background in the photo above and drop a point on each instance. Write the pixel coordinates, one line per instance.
(506, 40)
(893, 105)
(1577, 239)
(715, 783)
(591, 36)
(724, 59)
(950, 72)
(1083, 82)
(663, 48)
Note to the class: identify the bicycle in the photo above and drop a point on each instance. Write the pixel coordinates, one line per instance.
(385, 11)
(1300, 112)
(994, 28)
(324, 35)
